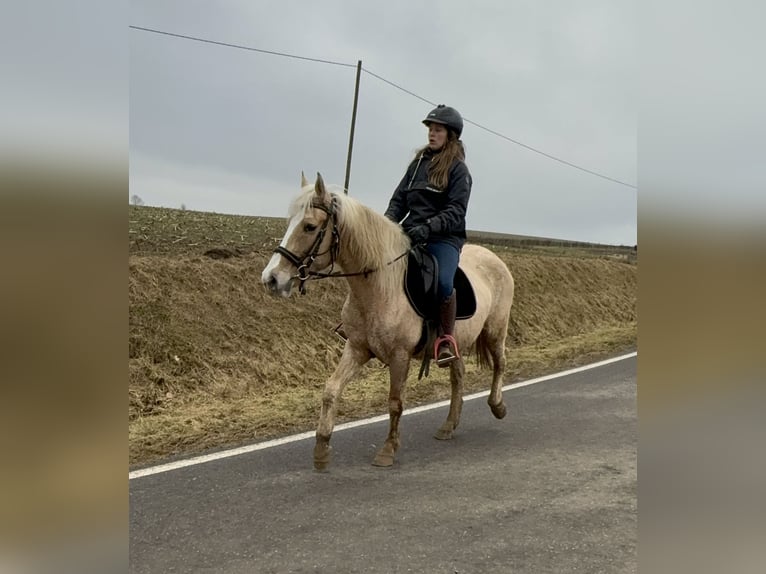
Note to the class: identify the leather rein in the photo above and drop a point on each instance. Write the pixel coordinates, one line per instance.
(303, 264)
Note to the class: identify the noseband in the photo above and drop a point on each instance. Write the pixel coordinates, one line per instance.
(304, 263)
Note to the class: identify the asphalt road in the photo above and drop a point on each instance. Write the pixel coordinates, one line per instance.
(550, 488)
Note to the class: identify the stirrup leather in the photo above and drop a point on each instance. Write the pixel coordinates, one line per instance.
(447, 360)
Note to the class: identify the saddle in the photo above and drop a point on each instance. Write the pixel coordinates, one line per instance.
(421, 282)
(420, 286)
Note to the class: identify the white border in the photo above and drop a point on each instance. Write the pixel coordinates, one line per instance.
(302, 436)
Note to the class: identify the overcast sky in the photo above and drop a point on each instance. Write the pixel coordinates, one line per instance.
(227, 130)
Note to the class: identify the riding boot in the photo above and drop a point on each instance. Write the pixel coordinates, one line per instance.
(444, 353)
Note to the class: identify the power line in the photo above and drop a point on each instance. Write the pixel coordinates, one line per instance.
(398, 87)
(243, 47)
(498, 134)
(530, 148)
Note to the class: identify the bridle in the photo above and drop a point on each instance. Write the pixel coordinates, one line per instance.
(303, 264)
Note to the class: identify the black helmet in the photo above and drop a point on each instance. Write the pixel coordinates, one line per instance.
(446, 115)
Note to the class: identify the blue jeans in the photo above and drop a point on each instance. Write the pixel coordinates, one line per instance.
(448, 257)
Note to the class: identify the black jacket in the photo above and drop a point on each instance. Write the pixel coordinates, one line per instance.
(415, 201)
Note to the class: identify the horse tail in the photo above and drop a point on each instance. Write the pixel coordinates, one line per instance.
(483, 356)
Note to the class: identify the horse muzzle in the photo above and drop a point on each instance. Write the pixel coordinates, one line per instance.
(277, 283)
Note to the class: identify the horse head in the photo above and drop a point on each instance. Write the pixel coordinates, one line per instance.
(310, 244)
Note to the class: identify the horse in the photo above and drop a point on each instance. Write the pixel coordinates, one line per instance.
(328, 229)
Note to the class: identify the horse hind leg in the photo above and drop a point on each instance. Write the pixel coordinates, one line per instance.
(495, 346)
(457, 370)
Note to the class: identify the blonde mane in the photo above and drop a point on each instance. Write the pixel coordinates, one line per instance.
(368, 240)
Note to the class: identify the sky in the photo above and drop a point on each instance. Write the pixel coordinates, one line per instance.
(226, 130)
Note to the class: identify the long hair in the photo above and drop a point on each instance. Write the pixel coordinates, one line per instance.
(441, 162)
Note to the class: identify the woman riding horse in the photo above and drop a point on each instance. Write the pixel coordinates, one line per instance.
(430, 203)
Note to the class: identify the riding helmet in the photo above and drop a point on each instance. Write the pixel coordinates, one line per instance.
(446, 115)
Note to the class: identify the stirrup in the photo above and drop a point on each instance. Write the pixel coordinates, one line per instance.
(445, 362)
(340, 332)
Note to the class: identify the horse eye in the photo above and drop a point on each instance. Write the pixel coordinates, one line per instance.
(308, 228)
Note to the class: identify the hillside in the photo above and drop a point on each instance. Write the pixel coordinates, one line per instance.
(214, 361)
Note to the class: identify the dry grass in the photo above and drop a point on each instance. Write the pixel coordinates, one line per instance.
(214, 361)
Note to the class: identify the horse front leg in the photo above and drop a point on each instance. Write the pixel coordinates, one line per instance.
(351, 362)
(398, 368)
(457, 370)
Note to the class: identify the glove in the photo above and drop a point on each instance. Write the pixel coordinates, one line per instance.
(418, 234)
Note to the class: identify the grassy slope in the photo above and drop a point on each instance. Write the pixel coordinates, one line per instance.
(214, 361)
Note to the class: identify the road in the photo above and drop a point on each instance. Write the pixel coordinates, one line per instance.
(550, 488)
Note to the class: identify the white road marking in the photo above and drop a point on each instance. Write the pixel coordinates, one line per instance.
(345, 426)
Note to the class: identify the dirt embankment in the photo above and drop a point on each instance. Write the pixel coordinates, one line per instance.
(215, 361)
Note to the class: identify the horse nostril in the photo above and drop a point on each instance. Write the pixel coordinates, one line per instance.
(272, 283)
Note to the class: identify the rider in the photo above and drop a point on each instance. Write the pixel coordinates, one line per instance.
(430, 203)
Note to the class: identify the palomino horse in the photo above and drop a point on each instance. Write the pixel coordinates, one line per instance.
(327, 229)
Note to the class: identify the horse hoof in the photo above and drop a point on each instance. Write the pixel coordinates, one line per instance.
(443, 434)
(498, 410)
(384, 460)
(321, 456)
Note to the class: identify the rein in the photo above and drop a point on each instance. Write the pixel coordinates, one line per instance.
(303, 264)
(366, 272)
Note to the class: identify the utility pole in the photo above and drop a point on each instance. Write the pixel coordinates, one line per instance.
(353, 123)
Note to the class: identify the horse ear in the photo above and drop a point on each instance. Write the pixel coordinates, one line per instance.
(319, 186)
(304, 181)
